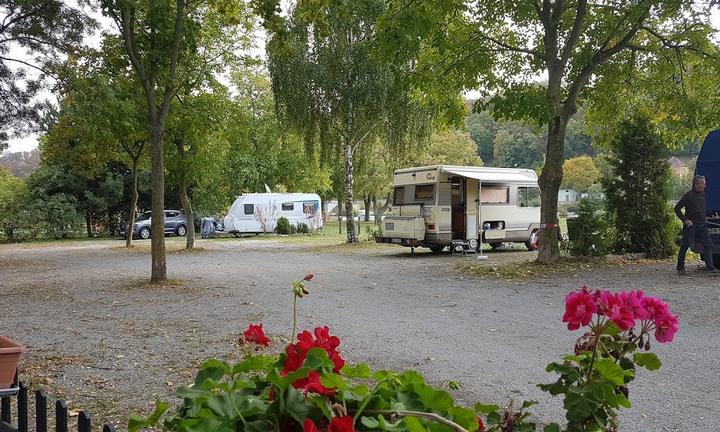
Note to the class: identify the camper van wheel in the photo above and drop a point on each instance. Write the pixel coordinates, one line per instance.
(472, 244)
(181, 230)
(534, 241)
(144, 233)
(436, 249)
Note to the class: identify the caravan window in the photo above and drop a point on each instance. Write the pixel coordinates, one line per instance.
(288, 206)
(249, 209)
(425, 193)
(494, 194)
(310, 207)
(399, 197)
(528, 197)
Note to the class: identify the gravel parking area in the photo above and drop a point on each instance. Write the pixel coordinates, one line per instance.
(103, 338)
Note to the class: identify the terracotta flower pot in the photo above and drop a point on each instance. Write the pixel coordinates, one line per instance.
(9, 355)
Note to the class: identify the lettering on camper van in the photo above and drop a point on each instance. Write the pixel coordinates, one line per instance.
(431, 176)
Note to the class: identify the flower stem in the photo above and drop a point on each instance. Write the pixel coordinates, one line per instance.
(425, 415)
(598, 330)
(292, 336)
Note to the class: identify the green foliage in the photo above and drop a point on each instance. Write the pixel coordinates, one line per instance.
(283, 226)
(45, 29)
(450, 147)
(592, 233)
(482, 128)
(13, 196)
(303, 228)
(517, 147)
(638, 192)
(580, 173)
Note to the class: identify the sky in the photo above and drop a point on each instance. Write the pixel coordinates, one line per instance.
(30, 142)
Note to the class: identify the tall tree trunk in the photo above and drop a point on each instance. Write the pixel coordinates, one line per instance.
(375, 209)
(133, 203)
(323, 213)
(367, 209)
(549, 182)
(380, 211)
(350, 222)
(157, 203)
(340, 213)
(88, 224)
(185, 200)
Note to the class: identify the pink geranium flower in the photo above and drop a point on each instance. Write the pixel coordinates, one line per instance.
(616, 307)
(579, 308)
(666, 327)
(655, 308)
(634, 301)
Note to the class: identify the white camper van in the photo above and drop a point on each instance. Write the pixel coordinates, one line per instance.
(442, 205)
(257, 213)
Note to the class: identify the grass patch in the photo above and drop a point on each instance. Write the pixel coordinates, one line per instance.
(531, 269)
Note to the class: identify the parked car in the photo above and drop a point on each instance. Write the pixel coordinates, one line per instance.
(174, 224)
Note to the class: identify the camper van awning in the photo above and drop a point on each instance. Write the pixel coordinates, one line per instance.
(492, 177)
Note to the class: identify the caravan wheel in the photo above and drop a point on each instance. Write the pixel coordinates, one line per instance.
(473, 244)
(533, 243)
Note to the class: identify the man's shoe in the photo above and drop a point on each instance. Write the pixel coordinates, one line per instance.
(682, 272)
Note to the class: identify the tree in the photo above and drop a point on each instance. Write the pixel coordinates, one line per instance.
(507, 43)
(638, 193)
(516, 147)
(13, 192)
(331, 88)
(482, 128)
(580, 173)
(450, 147)
(45, 29)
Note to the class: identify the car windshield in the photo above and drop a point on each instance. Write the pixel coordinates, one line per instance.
(144, 216)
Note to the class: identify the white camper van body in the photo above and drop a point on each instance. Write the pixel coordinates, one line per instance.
(436, 205)
(247, 210)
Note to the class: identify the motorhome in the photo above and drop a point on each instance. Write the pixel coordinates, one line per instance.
(258, 213)
(440, 206)
(708, 165)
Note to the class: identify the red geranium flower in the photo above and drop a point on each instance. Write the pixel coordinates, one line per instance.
(308, 277)
(341, 424)
(309, 426)
(255, 334)
(579, 308)
(481, 425)
(297, 353)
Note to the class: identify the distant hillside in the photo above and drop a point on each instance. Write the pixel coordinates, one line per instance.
(21, 163)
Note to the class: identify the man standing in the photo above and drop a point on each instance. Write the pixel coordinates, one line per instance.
(695, 225)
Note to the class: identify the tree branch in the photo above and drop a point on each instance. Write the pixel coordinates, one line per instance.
(169, 86)
(507, 46)
(128, 34)
(425, 415)
(31, 66)
(574, 33)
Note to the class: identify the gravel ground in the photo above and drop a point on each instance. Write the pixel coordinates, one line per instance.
(104, 339)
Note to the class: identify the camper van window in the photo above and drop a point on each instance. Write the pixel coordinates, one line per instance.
(528, 197)
(310, 207)
(425, 193)
(288, 206)
(249, 209)
(494, 194)
(399, 197)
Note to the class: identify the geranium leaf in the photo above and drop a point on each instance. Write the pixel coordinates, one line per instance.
(295, 405)
(610, 371)
(332, 380)
(318, 360)
(486, 409)
(437, 400)
(370, 422)
(358, 371)
(647, 360)
(413, 424)
(552, 427)
(212, 369)
(322, 403)
(254, 363)
(463, 416)
(529, 403)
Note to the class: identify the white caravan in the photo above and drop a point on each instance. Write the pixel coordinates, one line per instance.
(257, 213)
(442, 205)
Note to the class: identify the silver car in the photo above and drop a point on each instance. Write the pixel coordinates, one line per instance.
(174, 224)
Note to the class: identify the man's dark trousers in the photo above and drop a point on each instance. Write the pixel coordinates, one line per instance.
(698, 234)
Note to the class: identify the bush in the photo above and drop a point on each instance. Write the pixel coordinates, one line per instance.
(638, 191)
(373, 231)
(283, 226)
(591, 234)
(303, 228)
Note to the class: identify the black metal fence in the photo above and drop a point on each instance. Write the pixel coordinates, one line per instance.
(21, 422)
